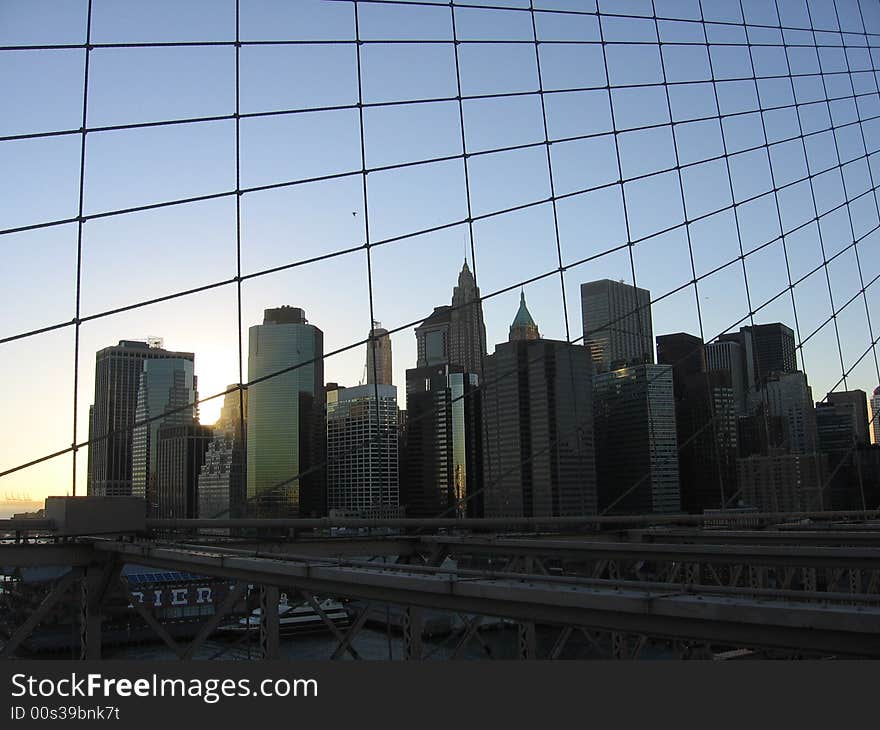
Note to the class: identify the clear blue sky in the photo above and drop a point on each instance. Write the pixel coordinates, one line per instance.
(151, 254)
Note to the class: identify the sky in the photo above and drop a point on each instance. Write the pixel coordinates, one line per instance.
(144, 255)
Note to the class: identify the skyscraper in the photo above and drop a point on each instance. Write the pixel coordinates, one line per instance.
(432, 338)
(455, 335)
(112, 416)
(858, 400)
(617, 324)
(180, 453)
(467, 332)
(706, 423)
(168, 394)
(222, 485)
(379, 356)
(362, 463)
(766, 348)
(537, 407)
(441, 465)
(727, 357)
(789, 396)
(636, 443)
(285, 439)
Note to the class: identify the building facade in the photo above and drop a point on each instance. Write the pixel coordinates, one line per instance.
(285, 430)
(467, 331)
(362, 457)
(538, 457)
(113, 414)
(379, 361)
(783, 482)
(636, 441)
(180, 454)
(168, 395)
(441, 464)
(617, 324)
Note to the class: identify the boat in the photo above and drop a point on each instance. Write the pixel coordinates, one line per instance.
(293, 618)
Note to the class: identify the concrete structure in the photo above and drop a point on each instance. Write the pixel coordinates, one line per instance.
(617, 324)
(112, 415)
(636, 442)
(362, 458)
(168, 395)
(285, 431)
(379, 362)
(537, 408)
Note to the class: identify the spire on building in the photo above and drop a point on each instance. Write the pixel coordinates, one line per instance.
(523, 327)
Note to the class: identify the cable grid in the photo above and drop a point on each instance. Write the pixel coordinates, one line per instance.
(857, 47)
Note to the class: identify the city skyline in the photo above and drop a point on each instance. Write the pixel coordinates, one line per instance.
(422, 220)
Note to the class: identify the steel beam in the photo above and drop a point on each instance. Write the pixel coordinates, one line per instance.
(269, 628)
(24, 630)
(33, 555)
(214, 621)
(150, 620)
(698, 615)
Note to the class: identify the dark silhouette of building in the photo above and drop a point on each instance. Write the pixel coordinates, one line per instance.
(766, 348)
(432, 338)
(455, 335)
(537, 408)
(112, 416)
(858, 401)
(842, 428)
(617, 324)
(706, 424)
(636, 441)
(784, 482)
(379, 361)
(467, 332)
(180, 454)
(441, 454)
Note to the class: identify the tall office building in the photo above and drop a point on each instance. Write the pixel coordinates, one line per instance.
(180, 453)
(766, 348)
(432, 338)
(168, 394)
(455, 335)
(285, 430)
(112, 416)
(233, 420)
(783, 482)
(379, 356)
(617, 324)
(362, 458)
(706, 423)
(441, 465)
(726, 356)
(636, 442)
(538, 456)
(858, 401)
(467, 331)
(222, 485)
(788, 395)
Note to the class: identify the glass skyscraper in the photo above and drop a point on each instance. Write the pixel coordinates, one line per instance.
(167, 395)
(285, 439)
